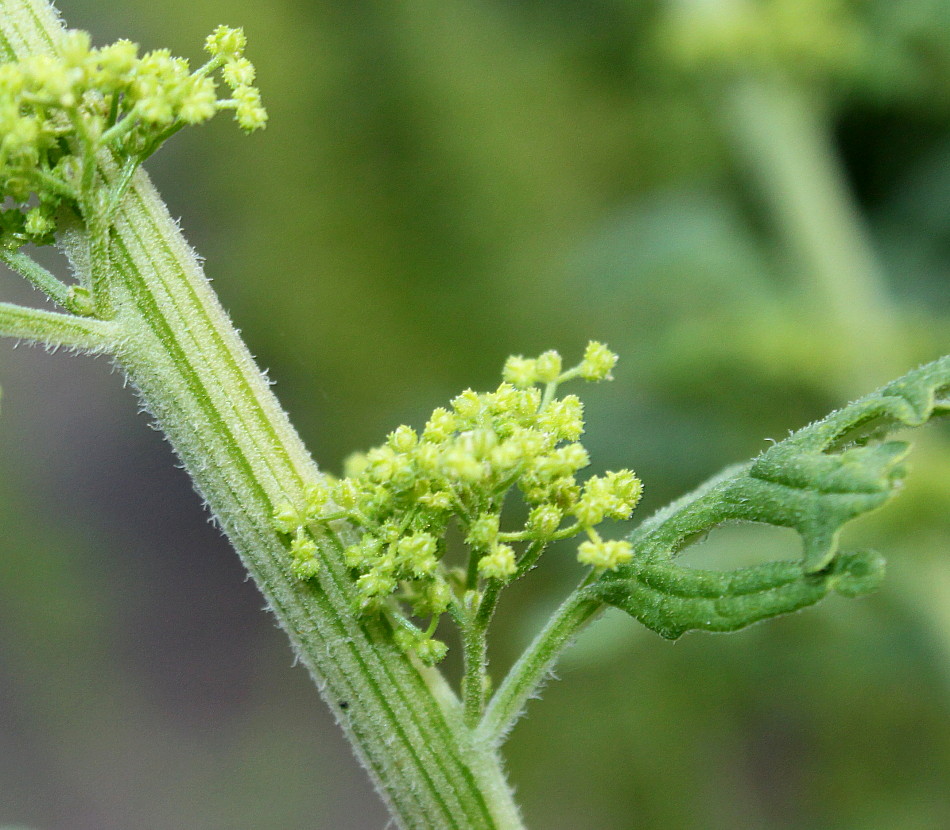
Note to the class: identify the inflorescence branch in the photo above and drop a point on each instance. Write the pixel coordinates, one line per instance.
(404, 496)
(67, 118)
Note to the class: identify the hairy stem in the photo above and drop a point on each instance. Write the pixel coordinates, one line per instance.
(474, 679)
(535, 664)
(197, 379)
(42, 279)
(53, 329)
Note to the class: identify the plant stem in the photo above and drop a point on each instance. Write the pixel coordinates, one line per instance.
(535, 664)
(784, 140)
(42, 279)
(199, 382)
(54, 329)
(476, 670)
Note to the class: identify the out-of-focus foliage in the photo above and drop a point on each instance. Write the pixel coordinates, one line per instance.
(442, 184)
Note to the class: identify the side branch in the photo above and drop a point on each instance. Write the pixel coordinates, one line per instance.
(815, 481)
(42, 279)
(536, 663)
(53, 329)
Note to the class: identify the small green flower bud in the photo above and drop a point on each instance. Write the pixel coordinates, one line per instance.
(573, 456)
(483, 532)
(38, 222)
(548, 367)
(564, 461)
(591, 508)
(625, 485)
(543, 521)
(467, 405)
(438, 596)
(527, 403)
(503, 400)
(605, 555)
(22, 136)
(375, 584)
(547, 467)
(199, 103)
(156, 109)
(305, 569)
(530, 442)
(116, 61)
(499, 563)
(239, 72)
(564, 492)
(389, 532)
(365, 554)
(520, 371)
(227, 42)
(251, 118)
(440, 426)
(249, 112)
(317, 497)
(382, 464)
(49, 81)
(505, 457)
(427, 458)
(303, 547)
(431, 651)
(480, 442)
(598, 361)
(74, 47)
(439, 500)
(416, 554)
(626, 490)
(459, 465)
(79, 301)
(346, 494)
(563, 418)
(353, 556)
(403, 439)
(287, 519)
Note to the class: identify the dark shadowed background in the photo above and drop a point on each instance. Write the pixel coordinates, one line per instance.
(749, 201)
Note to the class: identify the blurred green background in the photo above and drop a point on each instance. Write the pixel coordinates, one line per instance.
(747, 200)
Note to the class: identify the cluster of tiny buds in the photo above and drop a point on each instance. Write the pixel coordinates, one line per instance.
(58, 111)
(403, 496)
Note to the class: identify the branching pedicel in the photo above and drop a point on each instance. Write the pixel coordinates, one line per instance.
(355, 569)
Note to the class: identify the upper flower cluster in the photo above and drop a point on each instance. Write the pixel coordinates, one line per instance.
(57, 112)
(404, 494)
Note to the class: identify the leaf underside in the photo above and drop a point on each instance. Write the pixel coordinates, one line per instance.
(814, 482)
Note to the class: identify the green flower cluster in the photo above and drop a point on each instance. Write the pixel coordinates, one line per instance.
(57, 112)
(404, 495)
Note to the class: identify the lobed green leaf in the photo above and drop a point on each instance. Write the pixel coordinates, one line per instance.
(671, 600)
(814, 482)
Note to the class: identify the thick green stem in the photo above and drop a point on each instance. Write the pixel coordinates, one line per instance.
(197, 379)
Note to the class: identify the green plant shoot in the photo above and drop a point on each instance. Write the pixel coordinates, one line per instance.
(358, 570)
